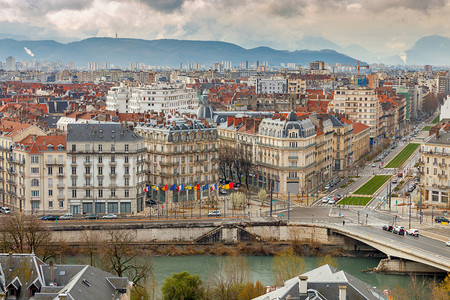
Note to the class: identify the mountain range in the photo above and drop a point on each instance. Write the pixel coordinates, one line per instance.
(165, 52)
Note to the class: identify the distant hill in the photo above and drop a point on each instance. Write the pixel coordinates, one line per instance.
(433, 50)
(121, 52)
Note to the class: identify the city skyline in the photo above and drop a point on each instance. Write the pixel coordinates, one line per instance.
(382, 27)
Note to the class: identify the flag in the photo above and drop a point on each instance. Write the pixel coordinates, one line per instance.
(155, 188)
(189, 187)
(164, 188)
(147, 188)
(197, 187)
(215, 186)
(173, 188)
(230, 185)
(205, 187)
(180, 187)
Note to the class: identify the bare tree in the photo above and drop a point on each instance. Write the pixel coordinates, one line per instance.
(430, 103)
(22, 233)
(327, 260)
(226, 160)
(244, 161)
(120, 257)
(92, 242)
(287, 264)
(230, 278)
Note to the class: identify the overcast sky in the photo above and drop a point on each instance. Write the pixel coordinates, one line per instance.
(383, 26)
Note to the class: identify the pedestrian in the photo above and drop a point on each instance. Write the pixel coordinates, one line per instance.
(343, 223)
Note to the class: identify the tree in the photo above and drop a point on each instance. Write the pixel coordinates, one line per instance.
(237, 199)
(327, 260)
(182, 286)
(430, 103)
(228, 281)
(227, 159)
(23, 234)
(91, 242)
(120, 257)
(441, 291)
(286, 265)
(262, 195)
(252, 290)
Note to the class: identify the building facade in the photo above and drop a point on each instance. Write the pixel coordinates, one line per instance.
(106, 169)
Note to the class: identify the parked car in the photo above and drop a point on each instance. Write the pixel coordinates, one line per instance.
(413, 232)
(327, 187)
(222, 191)
(394, 181)
(374, 165)
(109, 216)
(388, 227)
(215, 213)
(440, 219)
(400, 230)
(5, 210)
(339, 196)
(325, 199)
(91, 217)
(150, 202)
(411, 188)
(66, 217)
(332, 201)
(447, 243)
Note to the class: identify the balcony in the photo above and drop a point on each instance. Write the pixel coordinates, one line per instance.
(87, 163)
(87, 174)
(61, 185)
(55, 162)
(61, 175)
(114, 175)
(443, 165)
(442, 175)
(61, 197)
(113, 163)
(293, 157)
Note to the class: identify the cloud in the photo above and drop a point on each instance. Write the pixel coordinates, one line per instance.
(379, 25)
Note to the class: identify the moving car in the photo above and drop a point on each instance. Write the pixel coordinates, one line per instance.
(338, 196)
(388, 227)
(66, 217)
(374, 165)
(214, 213)
(222, 191)
(325, 199)
(440, 219)
(109, 216)
(447, 243)
(331, 201)
(400, 230)
(394, 181)
(49, 218)
(91, 217)
(413, 232)
(327, 187)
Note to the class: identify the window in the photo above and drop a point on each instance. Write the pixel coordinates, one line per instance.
(113, 148)
(126, 159)
(125, 207)
(34, 170)
(127, 193)
(100, 193)
(74, 147)
(100, 148)
(127, 170)
(88, 159)
(74, 181)
(113, 159)
(60, 170)
(50, 182)
(34, 193)
(74, 193)
(100, 159)
(50, 170)
(74, 170)
(113, 193)
(126, 147)
(127, 181)
(50, 193)
(88, 170)
(50, 204)
(100, 181)
(74, 159)
(34, 159)
(61, 204)
(113, 207)
(88, 193)
(100, 170)
(113, 170)
(88, 181)
(34, 182)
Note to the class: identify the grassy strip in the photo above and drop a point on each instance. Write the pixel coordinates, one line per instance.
(352, 200)
(426, 128)
(400, 159)
(372, 185)
(436, 120)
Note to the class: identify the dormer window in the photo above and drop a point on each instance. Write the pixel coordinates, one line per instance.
(49, 147)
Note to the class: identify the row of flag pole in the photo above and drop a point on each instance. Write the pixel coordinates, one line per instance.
(181, 187)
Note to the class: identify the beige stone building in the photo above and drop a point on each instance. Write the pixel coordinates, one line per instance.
(12, 132)
(435, 168)
(180, 151)
(361, 140)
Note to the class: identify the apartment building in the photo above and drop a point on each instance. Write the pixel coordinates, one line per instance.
(360, 105)
(272, 86)
(286, 154)
(361, 140)
(435, 168)
(106, 169)
(324, 148)
(10, 133)
(40, 168)
(181, 151)
(151, 98)
(342, 142)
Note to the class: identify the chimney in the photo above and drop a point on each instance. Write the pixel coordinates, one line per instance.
(303, 285)
(52, 271)
(10, 261)
(342, 292)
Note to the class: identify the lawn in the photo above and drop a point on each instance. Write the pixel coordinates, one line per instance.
(436, 120)
(400, 159)
(426, 128)
(372, 185)
(355, 200)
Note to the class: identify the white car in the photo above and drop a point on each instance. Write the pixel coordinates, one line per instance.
(109, 216)
(5, 210)
(331, 201)
(374, 165)
(413, 232)
(325, 199)
(448, 243)
(214, 213)
(66, 217)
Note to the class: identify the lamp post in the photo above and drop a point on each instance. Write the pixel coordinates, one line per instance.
(410, 211)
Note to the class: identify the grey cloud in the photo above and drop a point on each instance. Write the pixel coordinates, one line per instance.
(164, 5)
(287, 8)
(34, 7)
(419, 5)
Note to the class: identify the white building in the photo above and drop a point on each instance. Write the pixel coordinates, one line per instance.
(445, 110)
(272, 86)
(117, 98)
(10, 63)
